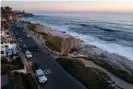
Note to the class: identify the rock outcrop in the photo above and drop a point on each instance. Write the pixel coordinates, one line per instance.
(69, 44)
(117, 61)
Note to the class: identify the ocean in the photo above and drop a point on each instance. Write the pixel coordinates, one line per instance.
(110, 32)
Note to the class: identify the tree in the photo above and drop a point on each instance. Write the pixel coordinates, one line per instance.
(6, 12)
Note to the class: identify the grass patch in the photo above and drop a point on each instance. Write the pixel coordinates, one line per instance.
(14, 65)
(23, 81)
(32, 81)
(120, 73)
(86, 75)
(53, 42)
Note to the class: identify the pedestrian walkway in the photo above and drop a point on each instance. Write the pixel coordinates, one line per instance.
(20, 71)
(117, 80)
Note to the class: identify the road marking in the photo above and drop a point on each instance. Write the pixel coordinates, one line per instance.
(47, 71)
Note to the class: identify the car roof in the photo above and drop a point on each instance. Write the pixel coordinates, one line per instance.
(39, 72)
(27, 51)
(42, 78)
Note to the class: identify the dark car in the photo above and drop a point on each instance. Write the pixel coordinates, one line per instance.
(33, 48)
(24, 47)
(35, 66)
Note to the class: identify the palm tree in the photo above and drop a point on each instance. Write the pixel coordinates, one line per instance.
(6, 12)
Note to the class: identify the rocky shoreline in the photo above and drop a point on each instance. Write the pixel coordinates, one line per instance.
(115, 61)
(67, 42)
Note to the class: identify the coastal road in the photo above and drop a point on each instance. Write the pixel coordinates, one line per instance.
(58, 78)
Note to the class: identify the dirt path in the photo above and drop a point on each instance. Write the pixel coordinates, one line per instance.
(117, 80)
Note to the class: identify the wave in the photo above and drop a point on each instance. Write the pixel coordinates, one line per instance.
(105, 29)
(94, 26)
(110, 47)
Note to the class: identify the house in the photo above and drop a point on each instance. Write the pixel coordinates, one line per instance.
(2, 33)
(8, 49)
(3, 53)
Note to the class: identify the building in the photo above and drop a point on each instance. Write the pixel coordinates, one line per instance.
(8, 49)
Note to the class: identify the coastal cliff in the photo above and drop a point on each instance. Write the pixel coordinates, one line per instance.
(57, 41)
(69, 44)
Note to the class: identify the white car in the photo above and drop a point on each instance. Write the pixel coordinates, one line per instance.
(41, 76)
(28, 36)
(28, 54)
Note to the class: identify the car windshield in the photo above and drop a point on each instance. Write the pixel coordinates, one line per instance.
(40, 72)
(28, 54)
(41, 75)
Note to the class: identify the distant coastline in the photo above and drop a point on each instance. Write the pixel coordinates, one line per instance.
(103, 42)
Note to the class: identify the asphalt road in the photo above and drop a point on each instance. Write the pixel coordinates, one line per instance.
(58, 78)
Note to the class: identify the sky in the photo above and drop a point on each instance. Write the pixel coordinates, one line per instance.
(73, 6)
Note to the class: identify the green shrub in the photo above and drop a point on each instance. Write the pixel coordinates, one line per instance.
(23, 81)
(9, 66)
(32, 81)
(53, 42)
(18, 79)
(86, 75)
(18, 63)
(6, 68)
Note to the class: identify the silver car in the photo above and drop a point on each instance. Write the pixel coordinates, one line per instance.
(41, 76)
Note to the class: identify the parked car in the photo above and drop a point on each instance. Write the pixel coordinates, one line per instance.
(41, 76)
(24, 49)
(16, 34)
(28, 36)
(28, 54)
(19, 40)
(35, 66)
(9, 52)
(33, 48)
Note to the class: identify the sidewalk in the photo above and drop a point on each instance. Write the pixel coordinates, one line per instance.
(117, 80)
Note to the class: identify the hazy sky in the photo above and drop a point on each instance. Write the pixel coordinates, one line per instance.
(110, 6)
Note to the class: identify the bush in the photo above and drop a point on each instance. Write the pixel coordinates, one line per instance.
(86, 75)
(54, 43)
(18, 79)
(18, 63)
(6, 68)
(23, 81)
(32, 82)
(14, 65)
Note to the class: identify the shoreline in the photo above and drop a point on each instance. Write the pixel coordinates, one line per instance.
(109, 47)
(116, 61)
(64, 35)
